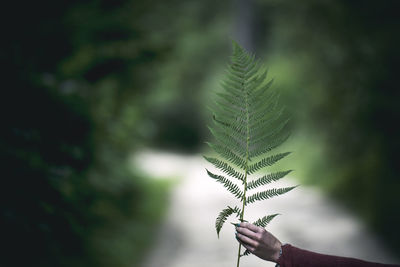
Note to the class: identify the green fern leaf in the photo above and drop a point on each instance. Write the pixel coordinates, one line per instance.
(230, 186)
(230, 140)
(225, 167)
(263, 135)
(225, 152)
(266, 179)
(255, 151)
(264, 221)
(266, 162)
(223, 216)
(268, 194)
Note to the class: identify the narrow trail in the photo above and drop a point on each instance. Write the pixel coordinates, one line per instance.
(187, 237)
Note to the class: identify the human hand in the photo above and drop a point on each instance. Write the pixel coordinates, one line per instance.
(258, 241)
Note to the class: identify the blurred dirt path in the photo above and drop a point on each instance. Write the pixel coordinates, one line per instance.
(187, 238)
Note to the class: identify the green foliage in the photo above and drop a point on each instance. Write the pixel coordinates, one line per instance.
(248, 124)
(268, 194)
(70, 118)
(264, 221)
(230, 186)
(266, 179)
(225, 167)
(223, 215)
(265, 162)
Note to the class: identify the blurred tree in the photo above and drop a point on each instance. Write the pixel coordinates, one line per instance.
(73, 73)
(86, 83)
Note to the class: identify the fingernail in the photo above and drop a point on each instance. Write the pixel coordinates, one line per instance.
(237, 225)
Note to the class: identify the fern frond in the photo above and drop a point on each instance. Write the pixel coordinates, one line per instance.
(247, 125)
(266, 179)
(229, 141)
(236, 77)
(225, 167)
(229, 115)
(232, 98)
(230, 86)
(269, 137)
(223, 216)
(261, 91)
(251, 71)
(221, 122)
(265, 125)
(236, 71)
(263, 100)
(224, 115)
(268, 194)
(255, 151)
(266, 162)
(264, 221)
(225, 152)
(229, 185)
(236, 128)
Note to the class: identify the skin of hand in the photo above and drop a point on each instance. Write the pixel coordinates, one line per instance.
(258, 241)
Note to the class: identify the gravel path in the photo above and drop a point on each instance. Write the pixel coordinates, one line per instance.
(187, 238)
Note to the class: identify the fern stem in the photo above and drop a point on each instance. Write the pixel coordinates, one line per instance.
(238, 257)
(247, 164)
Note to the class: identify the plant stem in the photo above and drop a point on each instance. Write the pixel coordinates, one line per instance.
(244, 204)
(238, 258)
(246, 170)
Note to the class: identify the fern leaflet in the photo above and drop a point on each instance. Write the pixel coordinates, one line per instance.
(268, 194)
(233, 188)
(223, 215)
(266, 179)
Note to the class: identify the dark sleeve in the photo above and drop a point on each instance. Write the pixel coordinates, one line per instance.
(295, 257)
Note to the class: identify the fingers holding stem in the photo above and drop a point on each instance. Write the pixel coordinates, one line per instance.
(258, 241)
(246, 237)
(245, 245)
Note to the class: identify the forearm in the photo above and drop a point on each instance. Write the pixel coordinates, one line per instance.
(295, 257)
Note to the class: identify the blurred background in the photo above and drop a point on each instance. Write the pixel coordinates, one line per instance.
(88, 85)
